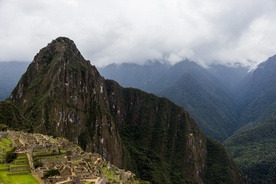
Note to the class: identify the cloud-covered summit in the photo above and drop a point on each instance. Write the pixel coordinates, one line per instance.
(119, 31)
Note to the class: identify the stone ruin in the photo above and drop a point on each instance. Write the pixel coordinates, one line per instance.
(73, 164)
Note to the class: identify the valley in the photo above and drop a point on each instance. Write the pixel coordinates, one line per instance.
(229, 103)
(217, 98)
(137, 92)
(62, 95)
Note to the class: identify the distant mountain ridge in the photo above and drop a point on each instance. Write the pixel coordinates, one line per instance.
(247, 99)
(62, 94)
(174, 82)
(258, 92)
(221, 99)
(10, 73)
(257, 139)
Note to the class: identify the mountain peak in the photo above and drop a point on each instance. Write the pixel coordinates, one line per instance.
(60, 48)
(63, 39)
(62, 44)
(63, 95)
(59, 67)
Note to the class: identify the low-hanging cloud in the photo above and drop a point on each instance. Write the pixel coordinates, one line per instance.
(116, 31)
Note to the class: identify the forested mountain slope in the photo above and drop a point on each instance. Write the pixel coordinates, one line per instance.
(187, 84)
(253, 146)
(62, 94)
(227, 99)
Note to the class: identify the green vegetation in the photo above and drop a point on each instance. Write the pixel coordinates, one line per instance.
(22, 179)
(6, 150)
(145, 139)
(10, 156)
(213, 111)
(65, 96)
(220, 168)
(113, 175)
(9, 164)
(37, 163)
(3, 127)
(253, 144)
(11, 117)
(254, 150)
(52, 172)
(6, 141)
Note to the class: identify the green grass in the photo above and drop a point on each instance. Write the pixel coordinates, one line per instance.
(17, 166)
(2, 166)
(22, 179)
(52, 140)
(4, 146)
(104, 169)
(4, 178)
(77, 160)
(62, 151)
(50, 157)
(6, 140)
(42, 153)
(45, 153)
(19, 173)
(21, 157)
(111, 175)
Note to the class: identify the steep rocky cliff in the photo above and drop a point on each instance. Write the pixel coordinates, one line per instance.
(62, 94)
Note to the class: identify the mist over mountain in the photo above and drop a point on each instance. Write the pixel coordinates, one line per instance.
(10, 73)
(144, 77)
(227, 103)
(253, 146)
(195, 88)
(224, 100)
(258, 93)
(62, 94)
(219, 93)
(165, 80)
(229, 76)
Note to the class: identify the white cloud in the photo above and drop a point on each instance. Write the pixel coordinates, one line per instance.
(110, 31)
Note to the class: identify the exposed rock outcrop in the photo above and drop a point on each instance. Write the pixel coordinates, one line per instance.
(62, 94)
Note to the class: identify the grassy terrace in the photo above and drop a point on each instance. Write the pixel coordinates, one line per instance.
(24, 178)
(48, 155)
(18, 171)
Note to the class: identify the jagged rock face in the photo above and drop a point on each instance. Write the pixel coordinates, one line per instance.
(63, 95)
(11, 116)
(155, 127)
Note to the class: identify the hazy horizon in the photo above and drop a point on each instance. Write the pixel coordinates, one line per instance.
(106, 32)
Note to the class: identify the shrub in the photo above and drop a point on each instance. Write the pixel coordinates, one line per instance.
(10, 156)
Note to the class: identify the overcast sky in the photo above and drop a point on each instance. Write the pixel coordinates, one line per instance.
(116, 31)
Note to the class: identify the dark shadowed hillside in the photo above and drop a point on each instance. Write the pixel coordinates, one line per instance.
(258, 93)
(187, 84)
(254, 150)
(223, 100)
(211, 111)
(62, 94)
(253, 146)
